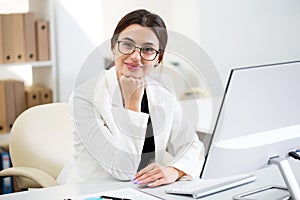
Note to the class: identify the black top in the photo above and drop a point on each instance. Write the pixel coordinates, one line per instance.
(148, 153)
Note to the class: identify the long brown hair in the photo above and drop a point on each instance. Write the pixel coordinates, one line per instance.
(146, 19)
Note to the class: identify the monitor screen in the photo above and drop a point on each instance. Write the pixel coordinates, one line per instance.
(258, 119)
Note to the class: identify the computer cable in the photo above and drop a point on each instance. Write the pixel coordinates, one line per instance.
(295, 154)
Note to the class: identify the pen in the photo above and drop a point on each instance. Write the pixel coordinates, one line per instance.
(113, 198)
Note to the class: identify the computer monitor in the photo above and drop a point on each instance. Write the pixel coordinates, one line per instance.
(258, 119)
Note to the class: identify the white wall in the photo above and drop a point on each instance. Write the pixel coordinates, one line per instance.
(79, 31)
(234, 33)
(174, 12)
(241, 33)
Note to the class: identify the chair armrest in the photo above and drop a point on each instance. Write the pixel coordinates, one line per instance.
(39, 176)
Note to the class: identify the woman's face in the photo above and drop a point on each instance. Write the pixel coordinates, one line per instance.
(134, 65)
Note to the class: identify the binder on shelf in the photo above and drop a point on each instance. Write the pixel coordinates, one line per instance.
(6, 182)
(42, 35)
(7, 101)
(37, 95)
(29, 37)
(18, 37)
(19, 97)
(3, 128)
(7, 38)
(45, 95)
(12, 103)
(13, 38)
(32, 96)
(10, 107)
(1, 41)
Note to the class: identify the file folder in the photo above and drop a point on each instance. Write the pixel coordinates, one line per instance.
(3, 128)
(18, 37)
(29, 37)
(7, 101)
(9, 104)
(7, 38)
(32, 96)
(19, 97)
(37, 95)
(42, 35)
(1, 41)
(45, 95)
(13, 38)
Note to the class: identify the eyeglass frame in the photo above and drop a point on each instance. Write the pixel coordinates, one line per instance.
(140, 50)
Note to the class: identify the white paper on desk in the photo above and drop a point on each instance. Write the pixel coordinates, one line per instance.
(129, 193)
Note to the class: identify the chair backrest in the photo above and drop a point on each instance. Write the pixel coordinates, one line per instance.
(41, 138)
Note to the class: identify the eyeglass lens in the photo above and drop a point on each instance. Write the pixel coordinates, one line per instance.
(127, 48)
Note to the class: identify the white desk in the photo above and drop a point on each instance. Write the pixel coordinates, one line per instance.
(268, 176)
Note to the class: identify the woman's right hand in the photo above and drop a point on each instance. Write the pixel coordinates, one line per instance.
(155, 175)
(132, 91)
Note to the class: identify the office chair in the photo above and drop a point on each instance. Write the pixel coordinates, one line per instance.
(40, 143)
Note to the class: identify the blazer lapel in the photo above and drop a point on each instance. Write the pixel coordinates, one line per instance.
(158, 115)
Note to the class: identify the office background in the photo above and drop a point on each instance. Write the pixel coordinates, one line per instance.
(234, 33)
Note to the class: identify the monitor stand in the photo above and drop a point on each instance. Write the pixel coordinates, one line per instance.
(291, 192)
(288, 176)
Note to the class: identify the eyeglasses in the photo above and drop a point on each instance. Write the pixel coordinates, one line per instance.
(147, 53)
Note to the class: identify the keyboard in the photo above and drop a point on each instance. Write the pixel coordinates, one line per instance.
(204, 187)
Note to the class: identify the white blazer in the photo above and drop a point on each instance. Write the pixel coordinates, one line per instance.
(109, 138)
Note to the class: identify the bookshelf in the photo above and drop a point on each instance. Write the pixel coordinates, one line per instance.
(42, 73)
(37, 72)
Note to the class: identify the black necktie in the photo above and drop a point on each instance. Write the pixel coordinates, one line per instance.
(148, 153)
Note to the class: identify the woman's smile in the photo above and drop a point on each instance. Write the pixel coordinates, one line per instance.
(133, 66)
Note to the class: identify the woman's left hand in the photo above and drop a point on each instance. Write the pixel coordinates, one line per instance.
(154, 175)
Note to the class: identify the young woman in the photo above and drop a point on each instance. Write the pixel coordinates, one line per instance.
(128, 125)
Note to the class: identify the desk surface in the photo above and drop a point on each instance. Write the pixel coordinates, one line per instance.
(267, 176)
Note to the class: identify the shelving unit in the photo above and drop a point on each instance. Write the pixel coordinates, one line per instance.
(33, 64)
(42, 72)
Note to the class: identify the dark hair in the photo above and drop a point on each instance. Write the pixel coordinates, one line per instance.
(146, 19)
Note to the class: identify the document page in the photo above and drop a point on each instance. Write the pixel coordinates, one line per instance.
(125, 193)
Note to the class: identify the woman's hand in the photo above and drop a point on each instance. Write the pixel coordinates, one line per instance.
(132, 91)
(154, 175)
